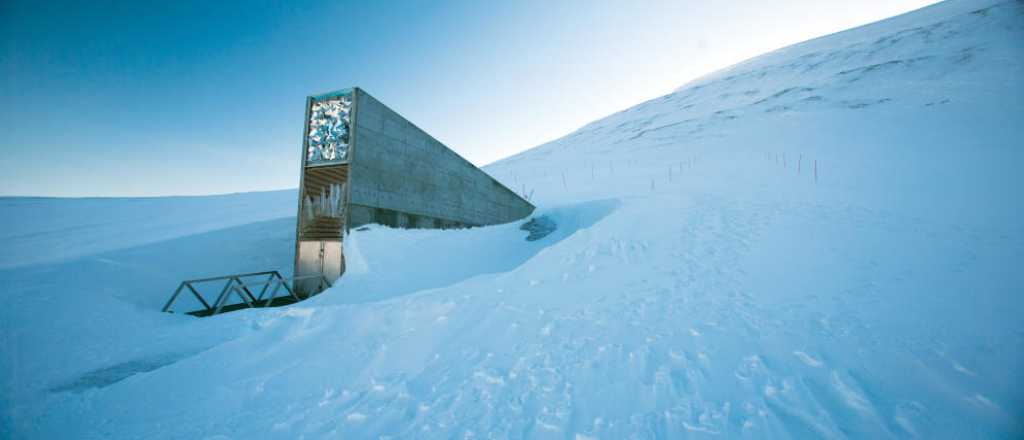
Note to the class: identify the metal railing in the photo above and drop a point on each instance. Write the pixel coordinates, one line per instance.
(240, 286)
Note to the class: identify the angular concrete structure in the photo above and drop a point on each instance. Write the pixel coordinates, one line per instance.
(363, 163)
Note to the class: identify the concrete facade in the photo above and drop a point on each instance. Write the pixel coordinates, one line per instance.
(397, 166)
(364, 163)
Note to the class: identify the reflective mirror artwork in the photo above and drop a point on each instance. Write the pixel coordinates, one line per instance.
(328, 137)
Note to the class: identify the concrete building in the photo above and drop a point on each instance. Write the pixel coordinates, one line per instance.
(363, 163)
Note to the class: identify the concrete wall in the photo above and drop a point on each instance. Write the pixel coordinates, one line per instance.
(396, 166)
(361, 215)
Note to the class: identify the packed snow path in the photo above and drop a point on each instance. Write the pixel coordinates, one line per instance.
(702, 281)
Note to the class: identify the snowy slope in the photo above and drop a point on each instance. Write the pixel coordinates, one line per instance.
(702, 282)
(39, 229)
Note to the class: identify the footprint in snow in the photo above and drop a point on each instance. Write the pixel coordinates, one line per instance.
(807, 359)
(962, 369)
(851, 394)
(984, 401)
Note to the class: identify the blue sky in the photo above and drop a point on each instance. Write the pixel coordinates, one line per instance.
(161, 98)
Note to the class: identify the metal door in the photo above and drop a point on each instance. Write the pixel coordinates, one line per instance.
(318, 257)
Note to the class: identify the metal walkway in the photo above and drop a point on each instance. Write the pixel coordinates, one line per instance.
(242, 286)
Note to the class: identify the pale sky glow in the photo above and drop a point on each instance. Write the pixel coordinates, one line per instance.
(197, 99)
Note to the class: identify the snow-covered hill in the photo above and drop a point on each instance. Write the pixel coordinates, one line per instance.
(819, 242)
(41, 229)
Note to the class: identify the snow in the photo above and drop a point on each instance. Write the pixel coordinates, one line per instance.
(701, 282)
(39, 229)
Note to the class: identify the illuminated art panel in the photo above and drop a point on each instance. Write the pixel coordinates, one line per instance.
(329, 129)
(329, 204)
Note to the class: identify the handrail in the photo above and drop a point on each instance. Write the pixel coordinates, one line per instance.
(242, 275)
(241, 289)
